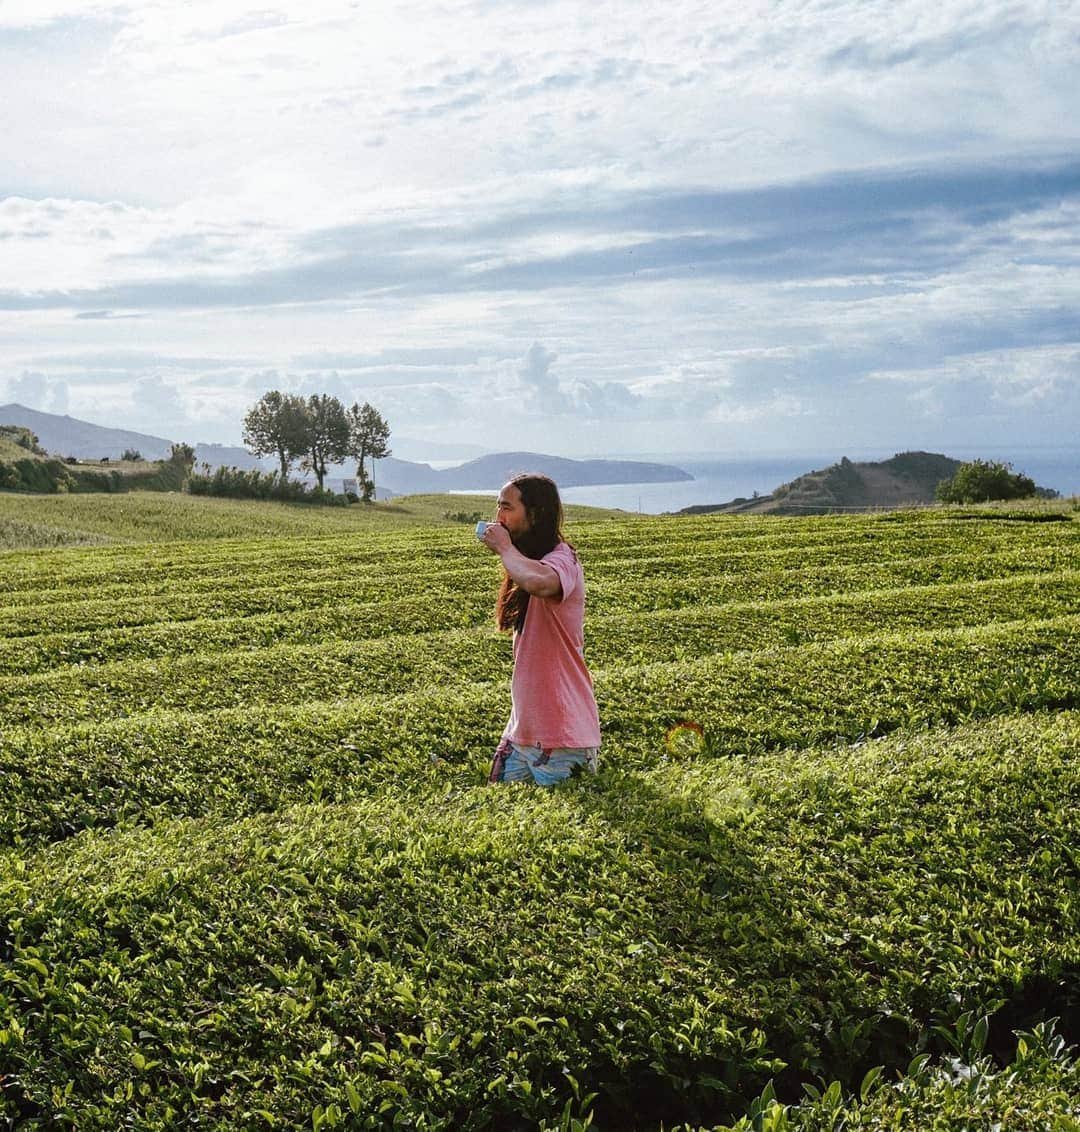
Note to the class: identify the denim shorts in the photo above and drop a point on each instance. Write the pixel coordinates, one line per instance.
(514, 762)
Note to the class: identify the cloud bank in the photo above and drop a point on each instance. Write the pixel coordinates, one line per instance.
(670, 227)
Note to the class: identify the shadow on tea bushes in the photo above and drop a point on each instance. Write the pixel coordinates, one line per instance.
(1037, 1091)
(410, 959)
(480, 958)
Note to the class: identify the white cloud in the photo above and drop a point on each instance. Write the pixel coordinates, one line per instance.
(60, 400)
(36, 391)
(606, 401)
(545, 198)
(540, 384)
(74, 245)
(431, 401)
(774, 406)
(1008, 382)
(156, 400)
(464, 97)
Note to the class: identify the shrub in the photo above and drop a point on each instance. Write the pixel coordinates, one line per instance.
(182, 454)
(34, 475)
(163, 475)
(980, 481)
(240, 483)
(110, 483)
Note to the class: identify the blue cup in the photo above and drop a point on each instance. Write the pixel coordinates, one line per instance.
(481, 527)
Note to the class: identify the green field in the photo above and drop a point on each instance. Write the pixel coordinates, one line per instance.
(251, 875)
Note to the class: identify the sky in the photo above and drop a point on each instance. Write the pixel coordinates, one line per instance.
(584, 228)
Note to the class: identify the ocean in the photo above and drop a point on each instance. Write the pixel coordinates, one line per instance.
(720, 480)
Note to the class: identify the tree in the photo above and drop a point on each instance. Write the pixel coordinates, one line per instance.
(982, 480)
(183, 455)
(369, 432)
(326, 435)
(133, 455)
(276, 425)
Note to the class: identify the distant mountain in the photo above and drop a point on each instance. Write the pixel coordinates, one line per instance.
(490, 472)
(907, 479)
(67, 436)
(229, 456)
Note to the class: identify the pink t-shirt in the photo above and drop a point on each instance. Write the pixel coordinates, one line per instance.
(551, 693)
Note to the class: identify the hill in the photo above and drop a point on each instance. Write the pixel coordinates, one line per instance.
(491, 471)
(28, 521)
(907, 479)
(10, 451)
(494, 470)
(23, 469)
(67, 436)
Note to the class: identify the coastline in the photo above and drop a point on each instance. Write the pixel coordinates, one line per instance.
(721, 480)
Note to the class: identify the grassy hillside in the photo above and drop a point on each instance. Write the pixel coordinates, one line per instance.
(907, 479)
(251, 875)
(10, 451)
(60, 520)
(25, 471)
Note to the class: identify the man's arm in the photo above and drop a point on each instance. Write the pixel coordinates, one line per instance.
(532, 576)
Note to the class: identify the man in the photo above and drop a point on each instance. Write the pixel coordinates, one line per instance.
(554, 725)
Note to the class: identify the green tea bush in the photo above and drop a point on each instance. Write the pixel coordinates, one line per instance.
(1038, 1091)
(132, 754)
(324, 613)
(164, 519)
(812, 914)
(18, 535)
(250, 876)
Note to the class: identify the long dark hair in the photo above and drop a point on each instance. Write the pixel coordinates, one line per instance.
(540, 497)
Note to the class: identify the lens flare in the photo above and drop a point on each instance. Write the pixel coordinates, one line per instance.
(685, 738)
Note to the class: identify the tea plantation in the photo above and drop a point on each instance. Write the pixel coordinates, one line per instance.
(251, 875)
